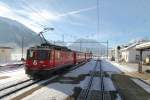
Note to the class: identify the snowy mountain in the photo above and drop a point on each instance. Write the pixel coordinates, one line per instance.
(12, 33)
(88, 45)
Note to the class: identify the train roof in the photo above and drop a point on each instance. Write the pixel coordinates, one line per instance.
(51, 46)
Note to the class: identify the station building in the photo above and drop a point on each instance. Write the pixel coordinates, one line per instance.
(131, 55)
(5, 54)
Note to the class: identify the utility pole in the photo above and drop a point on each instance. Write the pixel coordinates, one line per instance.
(63, 38)
(22, 45)
(140, 62)
(80, 46)
(107, 49)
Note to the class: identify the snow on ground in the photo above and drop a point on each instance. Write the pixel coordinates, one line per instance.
(9, 69)
(96, 84)
(10, 97)
(143, 85)
(11, 63)
(123, 68)
(109, 84)
(83, 84)
(82, 70)
(60, 91)
(55, 91)
(107, 66)
(12, 77)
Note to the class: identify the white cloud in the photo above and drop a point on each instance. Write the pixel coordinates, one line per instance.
(4, 7)
(8, 12)
(76, 11)
(43, 16)
(33, 20)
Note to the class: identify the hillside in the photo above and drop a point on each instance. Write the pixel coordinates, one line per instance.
(12, 33)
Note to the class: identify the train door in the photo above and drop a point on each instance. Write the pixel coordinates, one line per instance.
(57, 57)
(74, 57)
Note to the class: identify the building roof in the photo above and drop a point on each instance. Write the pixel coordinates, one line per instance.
(129, 47)
(6, 48)
(143, 46)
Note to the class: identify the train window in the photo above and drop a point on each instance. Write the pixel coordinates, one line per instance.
(42, 55)
(29, 54)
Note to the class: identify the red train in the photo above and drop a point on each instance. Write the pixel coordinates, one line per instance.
(45, 59)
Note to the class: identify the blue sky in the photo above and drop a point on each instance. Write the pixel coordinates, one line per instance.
(120, 20)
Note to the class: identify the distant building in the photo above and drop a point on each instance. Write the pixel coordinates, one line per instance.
(111, 53)
(129, 54)
(5, 54)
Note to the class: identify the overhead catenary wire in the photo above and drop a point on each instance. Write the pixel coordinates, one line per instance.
(41, 16)
(37, 12)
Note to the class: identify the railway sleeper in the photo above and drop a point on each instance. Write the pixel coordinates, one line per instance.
(98, 74)
(97, 95)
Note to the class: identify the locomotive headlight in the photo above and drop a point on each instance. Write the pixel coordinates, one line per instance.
(41, 62)
(34, 62)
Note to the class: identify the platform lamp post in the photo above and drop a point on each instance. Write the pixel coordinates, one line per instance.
(140, 62)
(22, 47)
(107, 49)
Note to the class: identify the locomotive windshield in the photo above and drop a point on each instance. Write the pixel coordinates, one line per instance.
(42, 55)
(38, 54)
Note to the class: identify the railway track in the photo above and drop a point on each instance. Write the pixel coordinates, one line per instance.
(6, 91)
(14, 88)
(9, 86)
(88, 93)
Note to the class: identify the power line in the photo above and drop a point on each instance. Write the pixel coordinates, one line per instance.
(34, 10)
(42, 17)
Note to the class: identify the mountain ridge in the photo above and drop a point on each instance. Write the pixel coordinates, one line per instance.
(13, 32)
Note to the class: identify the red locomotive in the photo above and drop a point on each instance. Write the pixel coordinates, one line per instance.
(47, 58)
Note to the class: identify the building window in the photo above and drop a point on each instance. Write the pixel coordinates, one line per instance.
(137, 57)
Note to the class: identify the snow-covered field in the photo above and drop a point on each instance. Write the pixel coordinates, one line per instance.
(12, 76)
(123, 68)
(61, 91)
(110, 67)
(82, 70)
(64, 87)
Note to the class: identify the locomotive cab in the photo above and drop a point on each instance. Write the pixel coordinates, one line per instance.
(38, 58)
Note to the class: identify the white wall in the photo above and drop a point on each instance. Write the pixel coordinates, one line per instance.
(130, 55)
(17, 54)
(125, 56)
(5, 55)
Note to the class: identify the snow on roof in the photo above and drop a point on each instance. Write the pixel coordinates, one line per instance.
(143, 46)
(6, 48)
(129, 47)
